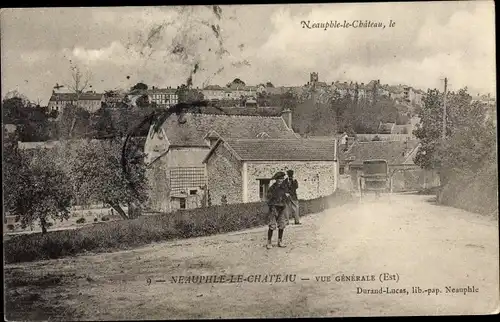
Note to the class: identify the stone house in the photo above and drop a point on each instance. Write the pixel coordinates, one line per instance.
(240, 170)
(404, 174)
(396, 93)
(90, 101)
(216, 92)
(163, 97)
(386, 128)
(175, 154)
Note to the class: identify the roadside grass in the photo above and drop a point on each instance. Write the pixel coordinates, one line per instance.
(28, 296)
(125, 234)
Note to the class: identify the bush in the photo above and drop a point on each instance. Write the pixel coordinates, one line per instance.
(96, 220)
(80, 220)
(476, 192)
(130, 233)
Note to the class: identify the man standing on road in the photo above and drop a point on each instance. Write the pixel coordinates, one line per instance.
(276, 200)
(343, 141)
(292, 200)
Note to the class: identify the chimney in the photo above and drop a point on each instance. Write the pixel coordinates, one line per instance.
(286, 115)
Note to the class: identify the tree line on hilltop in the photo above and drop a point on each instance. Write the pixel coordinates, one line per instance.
(42, 184)
(314, 113)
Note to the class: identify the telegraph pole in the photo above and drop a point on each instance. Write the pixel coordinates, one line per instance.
(444, 107)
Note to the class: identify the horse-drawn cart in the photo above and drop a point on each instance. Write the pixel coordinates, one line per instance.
(375, 177)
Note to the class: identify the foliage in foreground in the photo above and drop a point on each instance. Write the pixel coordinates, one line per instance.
(97, 175)
(102, 237)
(36, 189)
(466, 159)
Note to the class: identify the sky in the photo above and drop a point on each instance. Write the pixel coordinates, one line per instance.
(160, 46)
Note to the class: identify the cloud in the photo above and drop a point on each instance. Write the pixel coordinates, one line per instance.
(264, 42)
(415, 51)
(35, 56)
(115, 53)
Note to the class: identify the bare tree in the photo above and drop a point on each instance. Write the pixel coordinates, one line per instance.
(80, 82)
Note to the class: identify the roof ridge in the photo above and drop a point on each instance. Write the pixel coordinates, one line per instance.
(381, 141)
(277, 139)
(236, 115)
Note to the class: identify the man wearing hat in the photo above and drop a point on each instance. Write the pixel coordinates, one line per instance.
(292, 201)
(276, 200)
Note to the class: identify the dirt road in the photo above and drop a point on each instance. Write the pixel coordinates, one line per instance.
(424, 247)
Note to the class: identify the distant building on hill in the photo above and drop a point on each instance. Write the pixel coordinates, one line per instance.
(90, 101)
(163, 97)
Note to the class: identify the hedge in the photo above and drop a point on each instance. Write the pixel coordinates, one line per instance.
(476, 192)
(116, 235)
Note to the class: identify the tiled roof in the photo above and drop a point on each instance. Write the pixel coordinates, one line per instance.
(213, 87)
(392, 151)
(386, 128)
(396, 89)
(196, 126)
(162, 90)
(344, 85)
(279, 149)
(73, 96)
(400, 129)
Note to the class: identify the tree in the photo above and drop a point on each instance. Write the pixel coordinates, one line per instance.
(102, 123)
(186, 94)
(429, 130)
(12, 110)
(466, 143)
(289, 100)
(269, 84)
(31, 121)
(40, 190)
(80, 82)
(236, 83)
(139, 87)
(74, 122)
(11, 162)
(143, 101)
(98, 175)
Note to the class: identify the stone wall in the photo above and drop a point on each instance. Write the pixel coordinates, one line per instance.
(158, 176)
(158, 182)
(224, 177)
(315, 178)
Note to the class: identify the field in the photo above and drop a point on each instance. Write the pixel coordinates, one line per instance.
(428, 246)
(89, 215)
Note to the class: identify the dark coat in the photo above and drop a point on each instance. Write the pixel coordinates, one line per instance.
(292, 186)
(276, 194)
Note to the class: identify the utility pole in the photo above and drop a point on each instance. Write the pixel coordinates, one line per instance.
(444, 107)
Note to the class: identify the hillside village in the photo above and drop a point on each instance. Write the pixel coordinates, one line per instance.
(228, 152)
(238, 94)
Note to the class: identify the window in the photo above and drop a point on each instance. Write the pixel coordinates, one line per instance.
(182, 179)
(193, 192)
(182, 203)
(341, 170)
(263, 188)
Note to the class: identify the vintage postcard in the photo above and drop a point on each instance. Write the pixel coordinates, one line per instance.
(250, 161)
